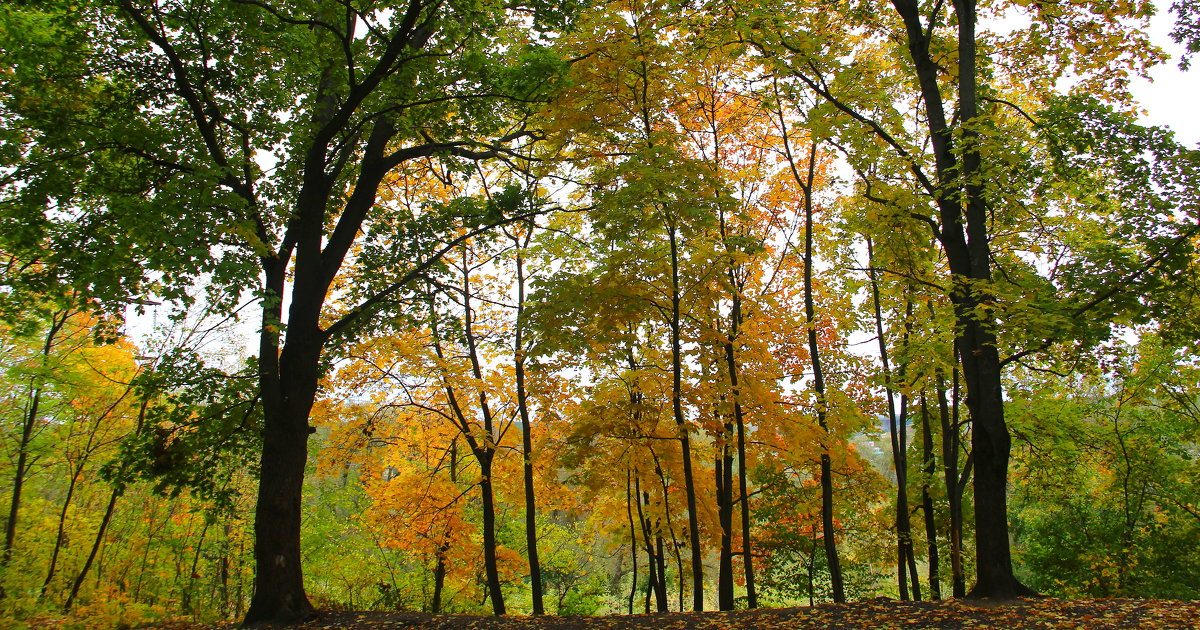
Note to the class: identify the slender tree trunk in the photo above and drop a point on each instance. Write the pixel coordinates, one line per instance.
(486, 453)
(903, 514)
(481, 450)
(950, 447)
(685, 441)
(96, 543)
(810, 319)
(20, 472)
(905, 399)
(656, 584)
(724, 480)
(187, 604)
(737, 286)
(928, 470)
(743, 495)
(491, 566)
(29, 421)
(660, 554)
(744, 500)
(633, 537)
(896, 431)
(531, 545)
(60, 535)
(675, 546)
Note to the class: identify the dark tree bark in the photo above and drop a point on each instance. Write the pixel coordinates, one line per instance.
(954, 486)
(97, 542)
(675, 546)
(343, 149)
(724, 482)
(439, 578)
(633, 537)
(60, 533)
(963, 232)
(531, 544)
(485, 451)
(681, 424)
(896, 432)
(828, 530)
(928, 469)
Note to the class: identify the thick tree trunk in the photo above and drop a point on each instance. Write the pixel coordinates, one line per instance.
(278, 581)
(964, 237)
(288, 386)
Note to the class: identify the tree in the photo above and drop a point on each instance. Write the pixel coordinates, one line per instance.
(258, 134)
(958, 166)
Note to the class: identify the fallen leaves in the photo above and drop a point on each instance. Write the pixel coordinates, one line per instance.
(874, 614)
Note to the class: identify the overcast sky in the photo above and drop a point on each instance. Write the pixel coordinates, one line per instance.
(1172, 98)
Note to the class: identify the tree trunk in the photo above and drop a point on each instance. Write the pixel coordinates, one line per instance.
(61, 533)
(724, 480)
(731, 368)
(288, 386)
(96, 544)
(29, 422)
(633, 537)
(278, 580)
(950, 446)
(963, 221)
(682, 427)
(439, 578)
(485, 452)
(928, 470)
(660, 589)
(491, 567)
(810, 321)
(896, 432)
(535, 567)
(667, 516)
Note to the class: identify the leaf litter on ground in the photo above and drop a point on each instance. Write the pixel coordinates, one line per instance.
(874, 614)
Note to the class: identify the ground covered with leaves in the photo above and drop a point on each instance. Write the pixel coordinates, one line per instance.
(877, 614)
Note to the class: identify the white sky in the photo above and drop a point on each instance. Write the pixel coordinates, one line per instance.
(1172, 97)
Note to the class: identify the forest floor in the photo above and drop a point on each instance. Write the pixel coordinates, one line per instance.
(876, 614)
